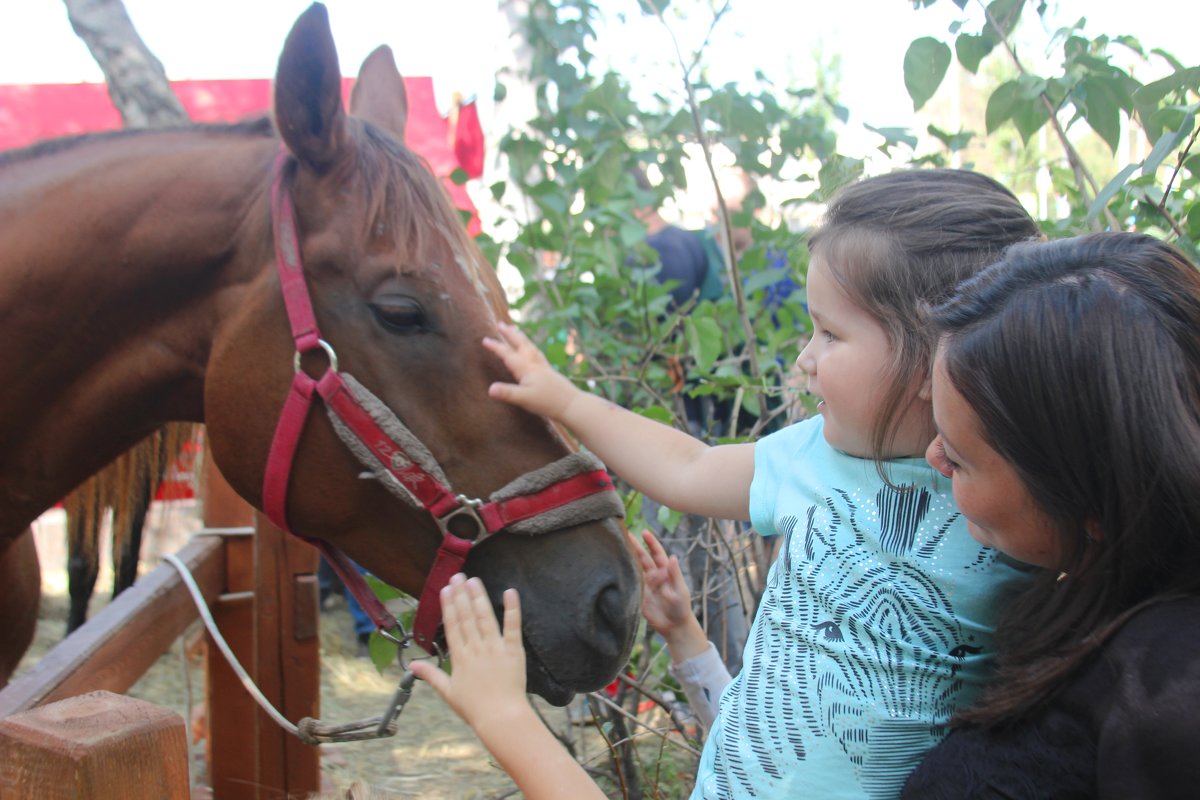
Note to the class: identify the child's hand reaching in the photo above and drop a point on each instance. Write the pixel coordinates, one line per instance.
(540, 389)
(666, 600)
(487, 685)
(487, 689)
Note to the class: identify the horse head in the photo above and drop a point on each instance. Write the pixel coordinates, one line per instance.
(402, 299)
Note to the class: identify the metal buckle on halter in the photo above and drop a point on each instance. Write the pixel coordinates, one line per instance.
(467, 507)
(329, 353)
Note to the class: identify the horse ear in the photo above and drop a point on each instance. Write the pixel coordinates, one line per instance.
(379, 95)
(308, 92)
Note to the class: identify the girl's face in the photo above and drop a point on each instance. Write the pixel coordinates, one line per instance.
(845, 360)
(999, 508)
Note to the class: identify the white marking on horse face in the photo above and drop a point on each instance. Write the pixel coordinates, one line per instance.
(473, 268)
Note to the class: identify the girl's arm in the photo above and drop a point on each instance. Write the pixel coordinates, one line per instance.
(672, 467)
(487, 689)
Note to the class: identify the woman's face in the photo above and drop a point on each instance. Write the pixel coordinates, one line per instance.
(999, 508)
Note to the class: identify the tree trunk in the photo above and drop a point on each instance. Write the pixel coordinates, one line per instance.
(137, 82)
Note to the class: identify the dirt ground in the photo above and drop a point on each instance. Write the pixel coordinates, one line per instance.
(434, 755)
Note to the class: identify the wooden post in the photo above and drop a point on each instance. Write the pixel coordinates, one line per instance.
(94, 746)
(289, 657)
(232, 740)
(269, 616)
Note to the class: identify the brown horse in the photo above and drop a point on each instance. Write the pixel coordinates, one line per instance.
(138, 285)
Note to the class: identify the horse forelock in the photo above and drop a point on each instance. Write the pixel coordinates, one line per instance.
(405, 199)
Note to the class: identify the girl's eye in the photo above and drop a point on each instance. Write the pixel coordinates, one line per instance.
(828, 336)
(942, 462)
(400, 315)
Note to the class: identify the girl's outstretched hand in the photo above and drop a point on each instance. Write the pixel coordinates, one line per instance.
(540, 389)
(487, 685)
(666, 599)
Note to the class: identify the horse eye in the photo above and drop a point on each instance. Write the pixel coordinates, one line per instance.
(401, 315)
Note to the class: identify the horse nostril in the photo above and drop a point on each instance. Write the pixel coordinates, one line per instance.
(610, 618)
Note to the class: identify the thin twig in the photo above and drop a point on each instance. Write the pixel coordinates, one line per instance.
(1162, 203)
(731, 264)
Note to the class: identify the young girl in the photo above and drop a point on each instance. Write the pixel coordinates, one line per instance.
(1067, 394)
(877, 616)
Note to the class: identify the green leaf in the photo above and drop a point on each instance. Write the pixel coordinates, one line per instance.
(1005, 13)
(1165, 145)
(1193, 223)
(893, 136)
(1029, 116)
(1001, 104)
(381, 589)
(657, 413)
(971, 50)
(925, 65)
(953, 141)
(382, 651)
(705, 342)
(459, 176)
(1101, 108)
(1110, 191)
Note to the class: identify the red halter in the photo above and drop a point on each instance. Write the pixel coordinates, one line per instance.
(392, 458)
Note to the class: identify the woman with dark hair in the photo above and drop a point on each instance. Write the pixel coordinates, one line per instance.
(1066, 391)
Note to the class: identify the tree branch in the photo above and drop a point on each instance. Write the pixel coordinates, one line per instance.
(137, 82)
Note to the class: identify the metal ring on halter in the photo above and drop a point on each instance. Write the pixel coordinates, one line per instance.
(469, 508)
(328, 348)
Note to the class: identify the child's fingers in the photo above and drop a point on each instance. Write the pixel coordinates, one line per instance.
(512, 618)
(429, 672)
(479, 610)
(455, 613)
(644, 562)
(502, 391)
(655, 548)
(514, 337)
(675, 575)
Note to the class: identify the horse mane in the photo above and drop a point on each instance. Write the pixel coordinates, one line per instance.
(258, 126)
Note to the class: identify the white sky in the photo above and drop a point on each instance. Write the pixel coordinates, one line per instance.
(461, 42)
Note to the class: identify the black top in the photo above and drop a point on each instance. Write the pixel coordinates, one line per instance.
(683, 259)
(1127, 727)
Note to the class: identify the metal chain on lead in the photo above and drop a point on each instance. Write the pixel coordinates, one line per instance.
(309, 730)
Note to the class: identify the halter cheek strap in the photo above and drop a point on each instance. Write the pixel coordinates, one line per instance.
(570, 491)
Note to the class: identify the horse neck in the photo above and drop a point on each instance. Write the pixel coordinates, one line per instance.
(118, 261)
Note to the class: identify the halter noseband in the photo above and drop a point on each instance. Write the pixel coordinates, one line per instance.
(572, 490)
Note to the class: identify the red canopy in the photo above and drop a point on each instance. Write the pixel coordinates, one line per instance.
(32, 112)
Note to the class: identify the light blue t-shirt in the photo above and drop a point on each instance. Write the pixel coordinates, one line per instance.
(875, 625)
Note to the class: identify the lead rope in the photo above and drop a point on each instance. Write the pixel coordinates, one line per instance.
(308, 730)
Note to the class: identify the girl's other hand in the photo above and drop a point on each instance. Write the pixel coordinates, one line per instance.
(666, 599)
(540, 389)
(487, 684)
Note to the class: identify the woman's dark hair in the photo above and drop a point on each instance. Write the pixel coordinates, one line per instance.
(898, 244)
(1081, 359)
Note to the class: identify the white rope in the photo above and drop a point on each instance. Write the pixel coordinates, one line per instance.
(310, 731)
(211, 625)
